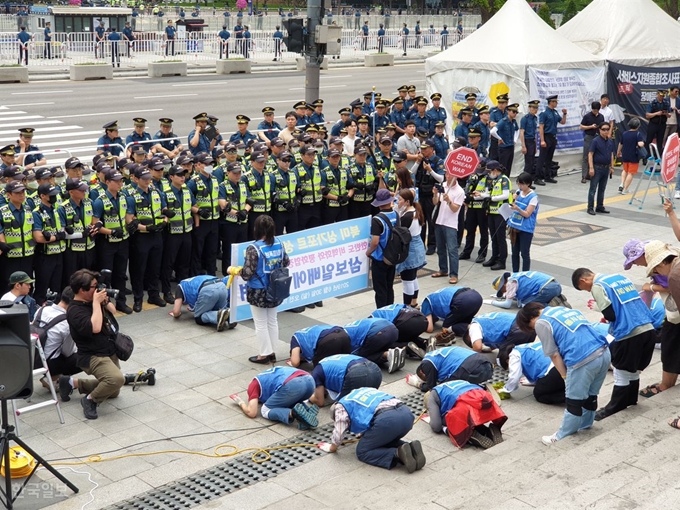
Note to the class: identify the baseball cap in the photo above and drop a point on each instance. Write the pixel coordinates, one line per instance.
(72, 163)
(15, 187)
(48, 189)
(20, 277)
(76, 184)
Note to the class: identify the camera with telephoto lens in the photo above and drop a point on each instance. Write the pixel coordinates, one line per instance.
(148, 377)
(105, 284)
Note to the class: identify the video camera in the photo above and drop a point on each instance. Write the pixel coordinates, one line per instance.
(105, 284)
(148, 377)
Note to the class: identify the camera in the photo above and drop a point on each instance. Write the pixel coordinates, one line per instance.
(105, 284)
(439, 187)
(148, 377)
(51, 297)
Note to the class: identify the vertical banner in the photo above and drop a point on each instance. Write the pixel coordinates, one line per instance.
(325, 262)
(577, 89)
(631, 89)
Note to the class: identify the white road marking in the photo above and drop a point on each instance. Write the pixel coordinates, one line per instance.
(22, 117)
(323, 88)
(104, 113)
(41, 92)
(291, 101)
(58, 135)
(26, 104)
(43, 130)
(33, 124)
(169, 95)
(216, 82)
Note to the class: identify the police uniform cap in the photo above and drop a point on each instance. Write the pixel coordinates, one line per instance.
(231, 147)
(492, 164)
(259, 157)
(435, 96)
(72, 163)
(142, 173)
(474, 132)
(176, 170)
(156, 165)
(299, 104)
(43, 173)
(249, 144)
(48, 189)
(403, 88)
(259, 147)
(514, 107)
(427, 143)
(334, 140)
(97, 158)
(363, 119)
(305, 137)
(551, 98)
(399, 157)
(123, 162)
(277, 142)
(312, 128)
(398, 100)
(267, 109)
(470, 95)
(12, 171)
(318, 102)
(323, 129)
(185, 160)
(212, 119)
(308, 149)
(534, 102)
(203, 116)
(421, 100)
(381, 104)
(76, 184)
(360, 149)
(422, 132)
(309, 107)
(242, 119)
(334, 153)
(344, 111)
(411, 88)
(57, 171)
(218, 152)
(203, 157)
(385, 139)
(293, 143)
(15, 187)
(138, 149)
(661, 91)
(368, 94)
(319, 143)
(285, 155)
(139, 121)
(113, 175)
(27, 132)
(483, 109)
(356, 104)
(466, 111)
(234, 167)
(8, 150)
(440, 123)
(343, 130)
(502, 98)
(111, 126)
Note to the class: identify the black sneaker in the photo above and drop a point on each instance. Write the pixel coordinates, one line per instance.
(591, 212)
(297, 309)
(551, 180)
(156, 300)
(480, 440)
(89, 408)
(430, 251)
(122, 307)
(136, 307)
(495, 434)
(464, 256)
(480, 259)
(169, 298)
(65, 389)
(602, 210)
(319, 304)
(489, 263)
(539, 182)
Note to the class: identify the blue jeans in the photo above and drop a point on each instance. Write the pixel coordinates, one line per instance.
(278, 406)
(598, 182)
(549, 291)
(447, 246)
(211, 298)
(365, 374)
(583, 382)
(521, 247)
(378, 446)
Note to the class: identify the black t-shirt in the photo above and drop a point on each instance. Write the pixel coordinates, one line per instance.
(79, 318)
(589, 119)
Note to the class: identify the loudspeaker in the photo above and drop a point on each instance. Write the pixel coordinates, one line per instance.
(16, 353)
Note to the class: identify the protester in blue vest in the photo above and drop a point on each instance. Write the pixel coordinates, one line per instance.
(522, 223)
(527, 365)
(382, 273)
(314, 343)
(374, 339)
(448, 364)
(410, 323)
(207, 297)
(340, 374)
(494, 330)
(631, 324)
(462, 410)
(527, 287)
(282, 392)
(456, 306)
(382, 420)
(581, 356)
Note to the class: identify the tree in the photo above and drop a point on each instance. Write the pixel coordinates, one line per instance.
(544, 14)
(671, 7)
(487, 8)
(570, 11)
(241, 4)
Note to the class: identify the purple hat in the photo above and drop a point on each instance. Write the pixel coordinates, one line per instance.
(633, 250)
(382, 197)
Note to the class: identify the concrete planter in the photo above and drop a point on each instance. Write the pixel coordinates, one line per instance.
(91, 72)
(235, 66)
(302, 63)
(13, 74)
(378, 60)
(161, 69)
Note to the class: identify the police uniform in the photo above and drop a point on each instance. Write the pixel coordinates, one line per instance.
(506, 130)
(129, 37)
(476, 217)
(335, 130)
(495, 116)
(425, 184)
(529, 124)
(205, 189)
(168, 145)
(441, 142)
(114, 38)
(422, 122)
(270, 130)
(260, 186)
(485, 131)
(549, 119)
(76, 217)
(108, 144)
(204, 143)
(657, 124)
(364, 178)
(317, 118)
(17, 228)
(336, 181)
(233, 220)
(244, 136)
(463, 128)
(49, 260)
(436, 114)
(287, 202)
(31, 159)
(224, 36)
(497, 187)
(278, 38)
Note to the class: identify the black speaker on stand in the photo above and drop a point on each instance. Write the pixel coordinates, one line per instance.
(16, 381)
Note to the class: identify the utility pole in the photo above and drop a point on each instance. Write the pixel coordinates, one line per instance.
(313, 55)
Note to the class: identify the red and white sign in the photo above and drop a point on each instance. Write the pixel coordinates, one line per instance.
(461, 162)
(669, 160)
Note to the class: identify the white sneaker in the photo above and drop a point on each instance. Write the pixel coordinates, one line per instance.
(549, 440)
(402, 357)
(392, 361)
(677, 195)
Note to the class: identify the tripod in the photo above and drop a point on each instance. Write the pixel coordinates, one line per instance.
(6, 435)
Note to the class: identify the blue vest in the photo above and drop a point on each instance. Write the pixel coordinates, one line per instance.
(335, 368)
(573, 346)
(308, 338)
(440, 301)
(629, 308)
(359, 330)
(389, 312)
(269, 258)
(658, 312)
(271, 380)
(382, 242)
(534, 361)
(449, 392)
(495, 327)
(520, 222)
(601, 327)
(529, 283)
(447, 360)
(191, 286)
(361, 405)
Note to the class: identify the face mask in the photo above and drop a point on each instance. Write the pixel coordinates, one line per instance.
(33, 185)
(60, 180)
(319, 150)
(53, 200)
(240, 152)
(166, 168)
(208, 169)
(126, 172)
(295, 150)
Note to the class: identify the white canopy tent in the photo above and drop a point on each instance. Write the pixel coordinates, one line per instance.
(630, 32)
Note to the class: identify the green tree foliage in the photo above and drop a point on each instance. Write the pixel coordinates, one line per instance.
(544, 14)
(487, 8)
(569, 11)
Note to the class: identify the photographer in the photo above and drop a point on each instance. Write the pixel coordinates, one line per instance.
(90, 318)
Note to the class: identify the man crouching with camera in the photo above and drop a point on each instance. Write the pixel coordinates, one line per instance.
(93, 329)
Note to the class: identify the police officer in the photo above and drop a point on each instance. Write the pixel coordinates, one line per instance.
(49, 234)
(205, 232)
(128, 37)
(171, 148)
(30, 161)
(476, 215)
(464, 125)
(278, 37)
(260, 186)
(441, 141)
(114, 38)
(386, 171)
(286, 201)
(242, 135)
(527, 135)
(233, 199)
(436, 113)
(268, 128)
(223, 41)
(505, 132)
(110, 142)
(309, 174)
(410, 101)
(337, 188)
(344, 117)
(444, 34)
(547, 129)
(495, 116)
(499, 193)
(380, 118)
(23, 39)
(420, 117)
(76, 214)
(404, 39)
(113, 240)
(198, 141)
(148, 207)
(170, 33)
(317, 117)
(177, 242)
(138, 134)
(8, 156)
(398, 114)
(17, 245)
(657, 112)
(483, 126)
(276, 147)
(429, 171)
(363, 176)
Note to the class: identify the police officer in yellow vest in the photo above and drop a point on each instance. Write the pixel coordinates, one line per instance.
(337, 188)
(365, 184)
(233, 198)
(206, 229)
(386, 170)
(177, 237)
(113, 239)
(286, 199)
(309, 213)
(500, 193)
(476, 215)
(260, 186)
(148, 207)
(75, 214)
(17, 246)
(49, 233)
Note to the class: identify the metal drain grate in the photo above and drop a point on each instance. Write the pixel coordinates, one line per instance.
(242, 472)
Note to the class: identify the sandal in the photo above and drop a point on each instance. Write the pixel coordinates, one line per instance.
(650, 391)
(675, 423)
(439, 274)
(453, 280)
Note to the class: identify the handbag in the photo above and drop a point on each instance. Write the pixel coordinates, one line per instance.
(123, 345)
(642, 153)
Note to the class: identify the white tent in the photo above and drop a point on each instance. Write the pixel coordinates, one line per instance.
(631, 32)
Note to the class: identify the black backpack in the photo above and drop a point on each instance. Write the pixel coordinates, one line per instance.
(399, 238)
(41, 331)
(279, 281)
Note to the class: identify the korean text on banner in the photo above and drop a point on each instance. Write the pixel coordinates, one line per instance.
(325, 262)
(576, 90)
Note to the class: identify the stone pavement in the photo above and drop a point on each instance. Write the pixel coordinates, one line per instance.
(625, 461)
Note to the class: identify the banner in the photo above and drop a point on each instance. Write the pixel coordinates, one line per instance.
(577, 89)
(325, 262)
(631, 89)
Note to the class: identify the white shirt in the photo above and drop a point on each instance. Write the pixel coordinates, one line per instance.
(59, 339)
(348, 145)
(515, 371)
(607, 113)
(10, 297)
(446, 216)
(673, 119)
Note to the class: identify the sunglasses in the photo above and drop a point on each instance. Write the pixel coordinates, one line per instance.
(285, 160)
(604, 129)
